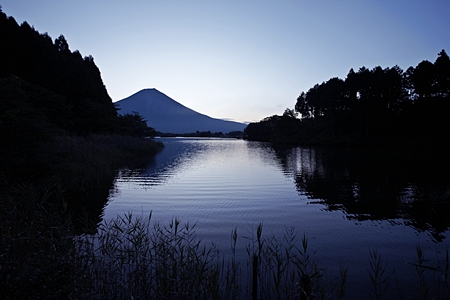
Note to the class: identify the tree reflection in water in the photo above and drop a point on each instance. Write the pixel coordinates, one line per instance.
(399, 185)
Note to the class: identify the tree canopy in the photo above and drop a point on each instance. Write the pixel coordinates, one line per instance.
(374, 102)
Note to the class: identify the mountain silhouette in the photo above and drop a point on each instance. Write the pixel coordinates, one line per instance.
(168, 116)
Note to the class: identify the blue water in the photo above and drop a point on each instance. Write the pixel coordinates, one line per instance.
(348, 202)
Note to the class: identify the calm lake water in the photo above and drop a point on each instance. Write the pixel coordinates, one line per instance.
(347, 201)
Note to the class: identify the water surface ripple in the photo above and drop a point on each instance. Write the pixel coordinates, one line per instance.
(347, 201)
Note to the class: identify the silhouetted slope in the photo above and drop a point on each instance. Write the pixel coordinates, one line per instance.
(49, 93)
(166, 115)
(35, 58)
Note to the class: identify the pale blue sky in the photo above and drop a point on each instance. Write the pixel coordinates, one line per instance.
(242, 60)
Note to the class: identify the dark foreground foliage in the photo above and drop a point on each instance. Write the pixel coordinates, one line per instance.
(37, 253)
(41, 215)
(130, 257)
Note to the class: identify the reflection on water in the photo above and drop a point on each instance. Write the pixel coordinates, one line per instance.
(347, 201)
(177, 154)
(364, 183)
(375, 184)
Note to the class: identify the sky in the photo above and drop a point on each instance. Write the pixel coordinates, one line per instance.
(241, 60)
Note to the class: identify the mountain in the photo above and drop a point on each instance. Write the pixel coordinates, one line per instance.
(168, 116)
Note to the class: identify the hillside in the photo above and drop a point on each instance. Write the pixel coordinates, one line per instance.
(48, 93)
(167, 115)
(37, 59)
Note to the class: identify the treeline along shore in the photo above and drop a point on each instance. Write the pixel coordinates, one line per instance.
(369, 107)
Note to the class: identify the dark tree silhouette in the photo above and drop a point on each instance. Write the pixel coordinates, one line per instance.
(374, 104)
(33, 57)
(135, 125)
(423, 79)
(442, 69)
(61, 44)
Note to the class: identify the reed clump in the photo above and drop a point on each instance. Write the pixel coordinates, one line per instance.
(132, 258)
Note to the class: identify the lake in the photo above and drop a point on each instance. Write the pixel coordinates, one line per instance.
(347, 201)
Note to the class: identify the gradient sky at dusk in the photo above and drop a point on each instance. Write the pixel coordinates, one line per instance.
(239, 59)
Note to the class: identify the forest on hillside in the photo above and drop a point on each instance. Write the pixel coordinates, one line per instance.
(369, 106)
(49, 91)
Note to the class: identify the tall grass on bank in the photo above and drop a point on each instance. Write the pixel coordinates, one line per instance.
(37, 258)
(40, 211)
(130, 258)
(281, 270)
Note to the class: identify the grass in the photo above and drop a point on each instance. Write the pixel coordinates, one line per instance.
(379, 281)
(36, 250)
(132, 258)
(41, 212)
